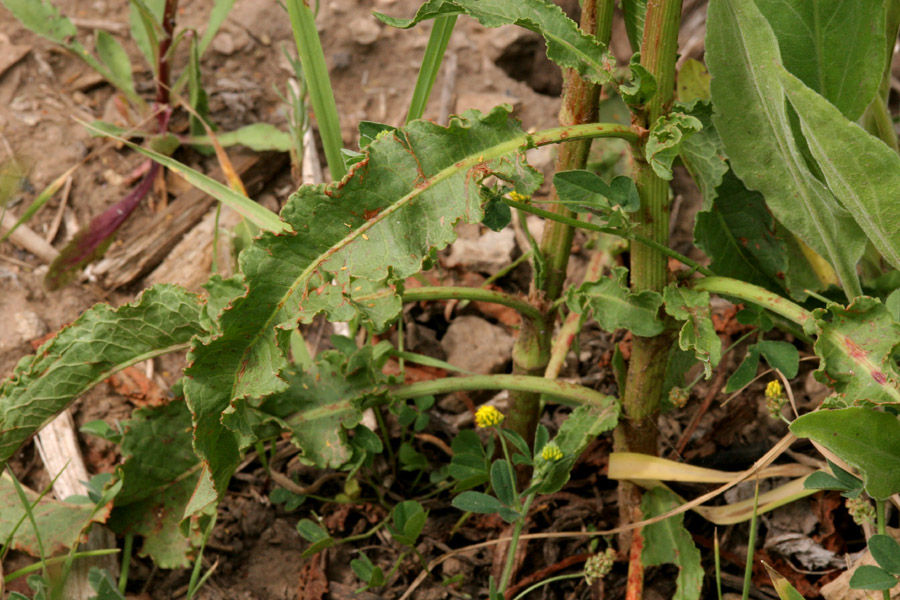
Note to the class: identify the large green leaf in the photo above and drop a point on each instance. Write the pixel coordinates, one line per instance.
(865, 438)
(102, 341)
(352, 240)
(159, 474)
(860, 170)
(752, 119)
(697, 333)
(668, 542)
(856, 345)
(614, 306)
(836, 47)
(739, 234)
(567, 46)
(60, 524)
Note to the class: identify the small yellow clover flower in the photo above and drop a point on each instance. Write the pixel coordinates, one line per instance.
(517, 197)
(488, 416)
(775, 398)
(551, 452)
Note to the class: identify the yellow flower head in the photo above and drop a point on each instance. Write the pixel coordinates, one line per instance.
(551, 452)
(488, 416)
(519, 197)
(774, 391)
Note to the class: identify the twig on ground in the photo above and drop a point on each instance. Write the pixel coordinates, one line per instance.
(57, 220)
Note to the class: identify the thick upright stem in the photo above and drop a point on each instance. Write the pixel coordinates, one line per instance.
(532, 350)
(647, 367)
(646, 370)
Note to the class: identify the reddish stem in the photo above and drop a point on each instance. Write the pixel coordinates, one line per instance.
(162, 71)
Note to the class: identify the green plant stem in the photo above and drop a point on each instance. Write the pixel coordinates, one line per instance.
(193, 584)
(385, 438)
(881, 524)
(499, 274)
(431, 64)
(718, 564)
(511, 553)
(525, 308)
(571, 133)
(315, 71)
(751, 545)
(126, 562)
(531, 352)
(628, 235)
(637, 431)
(547, 581)
(646, 370)
(576, 394)
(725, 286)
(54, 561)
(573, 323)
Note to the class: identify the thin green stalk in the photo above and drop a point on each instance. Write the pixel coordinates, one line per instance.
(431, 65)
(501, 273)
(385, 438)
(525, 308)
(881, 524)
(547, 581)
(576, 394)
(628, 235)
(29, 512)
(718, 562)
(513, 543)
(195, 582)
(315, 72)
(54, 561)
(126, 562)
(751, 546)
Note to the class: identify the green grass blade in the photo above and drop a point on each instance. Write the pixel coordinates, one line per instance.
(751, 545)
(431, 65)
(315, 71)
(718, 563)
(29, 512)
(40, 201)
(250, 210)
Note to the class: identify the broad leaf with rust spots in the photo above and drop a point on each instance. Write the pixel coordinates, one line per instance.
(856, 345)
(414, 185)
